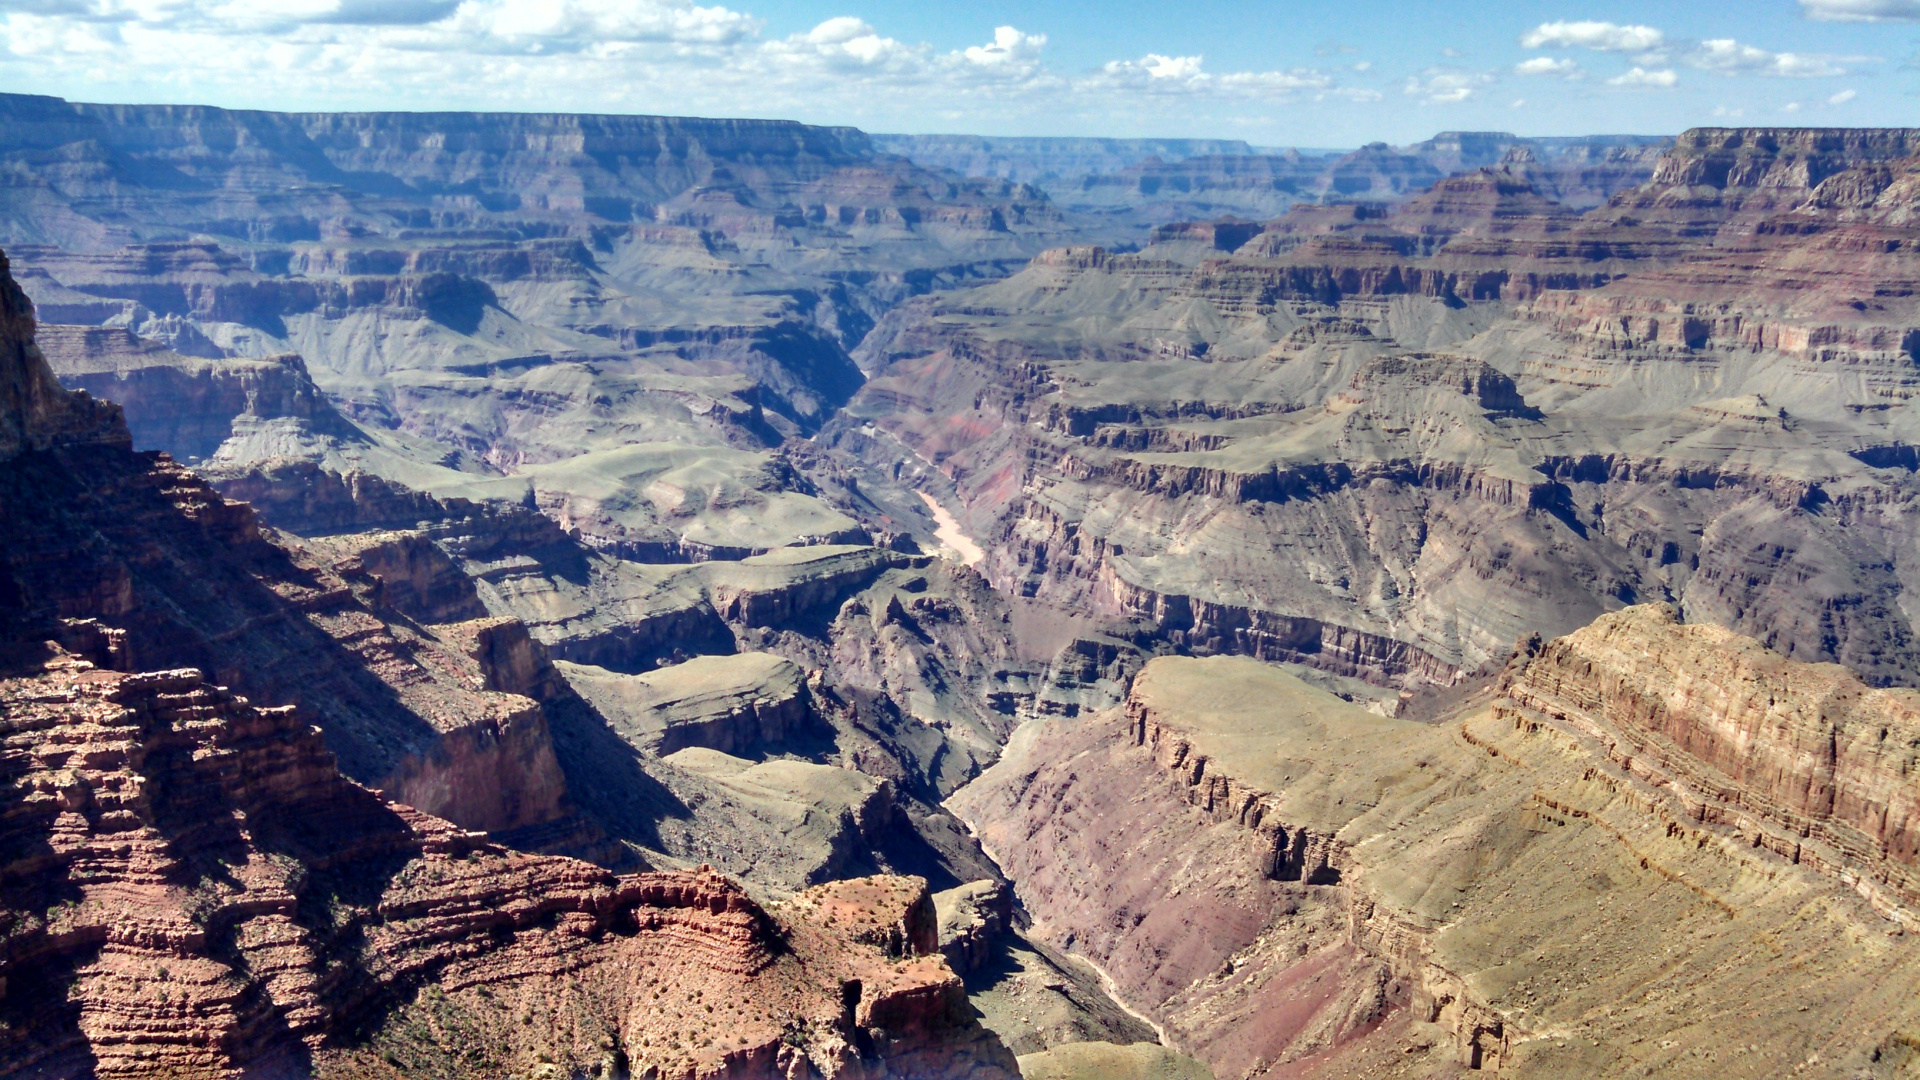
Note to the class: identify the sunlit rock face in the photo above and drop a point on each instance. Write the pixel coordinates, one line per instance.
(1538, 884)
(1389, 441)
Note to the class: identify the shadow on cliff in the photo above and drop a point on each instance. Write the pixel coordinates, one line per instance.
(100, 533)
(605, 777)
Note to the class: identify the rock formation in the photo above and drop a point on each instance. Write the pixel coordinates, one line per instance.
(1388, 442)
(198, 893)
(1553, 883)
(599, 476)
(1172, 179)
(191, 888)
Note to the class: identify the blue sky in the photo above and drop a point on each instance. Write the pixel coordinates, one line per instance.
(1274, 72)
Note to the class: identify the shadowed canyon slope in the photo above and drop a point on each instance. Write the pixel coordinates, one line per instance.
(772, 604)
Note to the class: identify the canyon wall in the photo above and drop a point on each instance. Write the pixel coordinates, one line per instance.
(200, 894)
(1389, 441)
(1291, 886)
(192, 888)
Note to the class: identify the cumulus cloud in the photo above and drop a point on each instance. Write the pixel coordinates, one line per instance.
(1639, 76)
(1654, 53)
(1862, 10)
(1009, 48)
(844, 44)
(1185, 75)
(1589, 34)
(1548, 65)
(666, 56)
(1725, 56)
(1843, 97)
(1446, 86)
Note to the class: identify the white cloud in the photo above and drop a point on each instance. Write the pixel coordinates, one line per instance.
(1446, 86)
(1862, 10)
(1548, 65)
(1010, 47)
(1157, 74)
(847, 44)
(649, 56)
(580, 23)
(1588, 34)
(1843, 97)
(1639, 76)
(1725, 56)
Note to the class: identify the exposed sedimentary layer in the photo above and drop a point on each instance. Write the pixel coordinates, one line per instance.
(1802, 758)
(196, 892)
(189, 887)
(1292, 886)
(1387, 441)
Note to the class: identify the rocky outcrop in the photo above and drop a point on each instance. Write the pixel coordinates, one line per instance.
(309, 499)
(188, 407)
(1208, 627)
(1805, 758)
(1285, 852)
(783, 586)
(737, 705)
(171, 574)
(1159, 844)
(973, 918)
(35, 413)
(196, 892)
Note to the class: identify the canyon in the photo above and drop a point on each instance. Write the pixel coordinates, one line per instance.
(604, 596)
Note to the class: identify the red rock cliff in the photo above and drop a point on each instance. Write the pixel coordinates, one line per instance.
(1806, 758)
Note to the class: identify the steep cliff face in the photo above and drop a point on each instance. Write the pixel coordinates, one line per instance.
(190, 407)
(140, 564)
(35, 412)
(1804, 758)
(1545, 884)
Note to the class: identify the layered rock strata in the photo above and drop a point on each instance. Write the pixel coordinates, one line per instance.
(1292, 886)
(190, 887)
(159, 570)
(734, 704)
(1389, 441)
(196, 892)
(1803, 759)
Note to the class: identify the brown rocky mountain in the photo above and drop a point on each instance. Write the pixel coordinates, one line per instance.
(1133, 627)
(1389, 443)
(191, 888)
(1656, 849)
